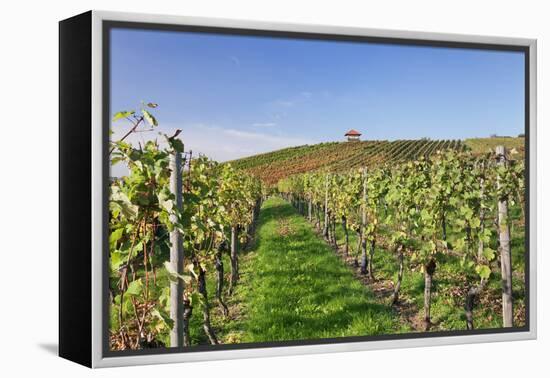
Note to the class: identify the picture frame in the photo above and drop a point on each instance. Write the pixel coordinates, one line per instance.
(85, 117)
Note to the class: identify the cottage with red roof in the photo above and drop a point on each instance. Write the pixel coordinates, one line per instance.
(353, 135)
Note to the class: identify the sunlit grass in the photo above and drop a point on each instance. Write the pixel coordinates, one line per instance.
(295, 287)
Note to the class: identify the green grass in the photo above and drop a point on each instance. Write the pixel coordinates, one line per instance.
(294, 287)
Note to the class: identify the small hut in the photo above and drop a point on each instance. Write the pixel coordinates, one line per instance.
(353, 135)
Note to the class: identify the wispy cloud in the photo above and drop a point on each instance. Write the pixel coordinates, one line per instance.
(292, 101)
(235, 60)
(218, 143)
(224, 144)
(284, 103)
(262, 125)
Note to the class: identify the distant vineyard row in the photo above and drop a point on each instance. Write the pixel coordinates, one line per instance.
(339, 156)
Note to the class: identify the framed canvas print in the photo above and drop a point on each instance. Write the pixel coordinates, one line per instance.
(235, 189)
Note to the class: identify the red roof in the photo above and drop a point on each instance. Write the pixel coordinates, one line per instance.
(353, 132)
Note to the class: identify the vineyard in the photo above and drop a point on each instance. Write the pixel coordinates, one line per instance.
(152, 280)
(337, 156)
(450, 212)
(321, 241)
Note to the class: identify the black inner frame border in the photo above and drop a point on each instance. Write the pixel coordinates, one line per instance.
(108, 25)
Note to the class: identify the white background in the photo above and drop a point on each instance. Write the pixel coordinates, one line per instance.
(29, 215)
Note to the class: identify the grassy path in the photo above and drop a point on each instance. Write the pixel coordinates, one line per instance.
(293, 286)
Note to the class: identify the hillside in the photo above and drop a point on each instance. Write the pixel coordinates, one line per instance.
(482, 145)
(338, 156)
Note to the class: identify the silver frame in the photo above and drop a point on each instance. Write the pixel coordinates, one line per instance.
(97, 203)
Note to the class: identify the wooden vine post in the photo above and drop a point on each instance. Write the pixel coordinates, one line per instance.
(481, 245)
(364, 261)
(176, 254)
(309, 206)
(505, 251)
(326, 225)
(233, 258)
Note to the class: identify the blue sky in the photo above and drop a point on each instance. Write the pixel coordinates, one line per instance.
(235, 96)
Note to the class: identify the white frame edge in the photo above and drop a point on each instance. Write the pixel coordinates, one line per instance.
(97, 176)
